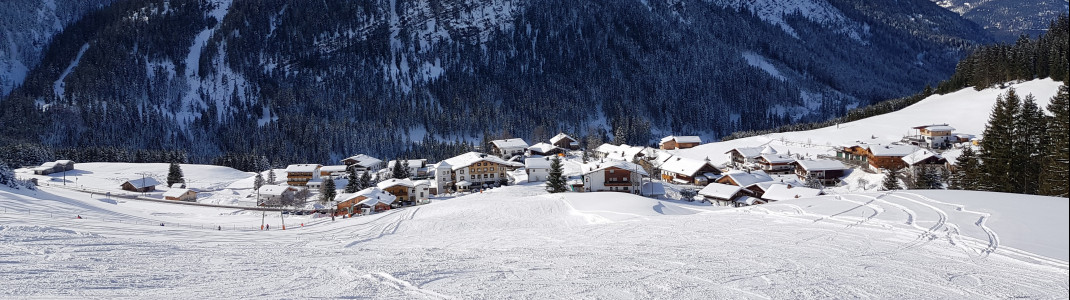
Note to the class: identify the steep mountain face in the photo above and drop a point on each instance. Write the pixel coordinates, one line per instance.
(1007, 19)
(318, 80)
(26, 27)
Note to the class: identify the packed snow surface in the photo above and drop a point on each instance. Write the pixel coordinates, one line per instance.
(521, 242)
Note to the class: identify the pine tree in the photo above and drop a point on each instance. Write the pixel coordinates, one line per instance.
(1056, 161)
(586, 156)
(556, 183)
(271, 176)
(353, 185)
(967, 171)
(1031, 137)
(327, 190)
(997, 147)
(174, 175)
(365, 180)
(891, 179)
(406, 172)
(258, 182)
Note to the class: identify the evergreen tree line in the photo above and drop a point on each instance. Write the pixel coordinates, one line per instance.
(1023, 150)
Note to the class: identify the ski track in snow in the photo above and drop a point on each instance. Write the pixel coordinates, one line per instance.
(519, 242)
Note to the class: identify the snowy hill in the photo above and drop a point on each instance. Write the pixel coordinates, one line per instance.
(966, 110)
(519, 241)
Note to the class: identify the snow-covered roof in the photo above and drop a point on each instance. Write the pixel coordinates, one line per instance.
(332, 169)
(177, 185)
(936, 127)
(175, 192)
(720, 191)
(413, 163)
(559, 137)
(421, 182)
(537, 163)
(364, 160)
(892, 150)
(606, 148)
(748, 200)
(682, 139)
(302, 168)
(273, 190)
(375, 196)
(611, 163)
(745, 179)
(683, 165)
(820, 165)
(385, 184)
(768, 150)
(48, 165)
(510, 143)
(542, 147)
(764, 186)
(467, 159)
(64, 161)
(781, 192)
(777, 159)
(141, 182)
(918, 156)
(748, 152)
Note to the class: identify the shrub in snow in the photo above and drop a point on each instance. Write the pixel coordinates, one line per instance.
(7, 177)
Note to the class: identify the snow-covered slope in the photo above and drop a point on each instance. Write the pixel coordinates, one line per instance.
(966, 110)
(522, 243)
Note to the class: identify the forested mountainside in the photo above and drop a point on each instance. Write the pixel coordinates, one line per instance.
(27, 27)
(316, 81)
(1007, 19)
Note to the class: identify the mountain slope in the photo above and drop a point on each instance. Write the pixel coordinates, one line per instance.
(214, 77)
(1007, 19)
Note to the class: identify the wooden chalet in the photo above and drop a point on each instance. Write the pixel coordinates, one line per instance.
(673, 142)
(140, 185)
(563, 141)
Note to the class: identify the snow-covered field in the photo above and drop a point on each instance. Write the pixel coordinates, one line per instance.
(520, 242)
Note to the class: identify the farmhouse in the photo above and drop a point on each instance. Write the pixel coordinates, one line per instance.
(364, 201)
(54, 167)
(682, 170)
(544, 149)
(334, 171)
(936, 136)
(140, 185)
(363, 162)
(673, 142)
(300, 175)
(744, 179)
(180, 194)
(405, 190)
(613, 175)
(470, 169)
(538, 169)
(888, 156)
(924, 157)
(740, 157)
(731, 195)
(562, 140)
(827, 172)
(275, 195)
(508, 148)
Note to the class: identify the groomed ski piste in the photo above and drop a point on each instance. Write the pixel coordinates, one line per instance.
(520, 242)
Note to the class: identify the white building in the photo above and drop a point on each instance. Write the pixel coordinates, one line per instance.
(407, 190)
(470, 170)
(538, 169)
(613, 175)
(274, 195)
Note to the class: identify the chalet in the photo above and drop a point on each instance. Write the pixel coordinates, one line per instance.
(362, 162)
(936, 136)
(538, 169)
(405, 190)
(472, 169)
(888, 156)
(140, 185)
(924, 157)
(337, 171)
(544, 149)
(760, 188)
(275, 195)
(781, 192)
(365, 201)
(854, 151)
(772, 162)
(683, 170)
(744, 179)
(508, 148)
(673, 142)
(742, 156)
(614, 176)
(827, 172)
(563, 141)
(728, 195)
(180, 194)
(300, 175)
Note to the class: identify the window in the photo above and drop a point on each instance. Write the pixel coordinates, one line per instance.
(484, 176)
(473, 176)
(612, 179)
(491, 175)
(492, 169)
(462, 171)
(610, 171)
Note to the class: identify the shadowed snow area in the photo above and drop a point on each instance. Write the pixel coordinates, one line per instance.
(520, 242)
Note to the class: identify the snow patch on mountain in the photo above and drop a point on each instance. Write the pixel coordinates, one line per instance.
(817, 11)
(760, 62)
(59, 87)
